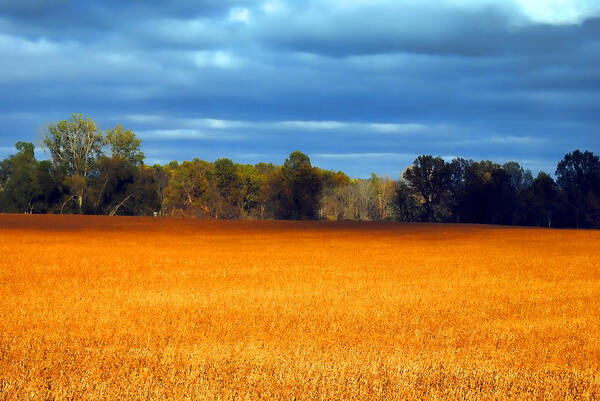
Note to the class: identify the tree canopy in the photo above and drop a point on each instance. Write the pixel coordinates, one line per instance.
(95, 173)
(75, 145)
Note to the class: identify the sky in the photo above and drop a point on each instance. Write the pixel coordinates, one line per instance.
(359, 85)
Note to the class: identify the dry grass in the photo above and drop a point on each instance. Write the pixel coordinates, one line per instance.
(123, 308)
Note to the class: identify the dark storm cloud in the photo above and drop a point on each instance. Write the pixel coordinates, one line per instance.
(359, 86)
(367, 30)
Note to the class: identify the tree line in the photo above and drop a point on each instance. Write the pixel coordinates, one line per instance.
(91, 172)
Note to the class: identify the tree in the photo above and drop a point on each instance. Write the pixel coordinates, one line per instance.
(520, 179)
(428, 177)
(457, 178)
(365, 199)
(125, 145)
(332, 205)
(502, 198)
(113, 186)
(75, 145)
(578, 174)
(117, 182)
(143, 194)
(304, 186)
(404, 203)
(592, 209)
(52, 189)
(544, 199)
(384, 190)
(269, 175)
(161, 176)
(228, 189)
(276, 196)
(188, 188)
(519, 182)
(250, 190)
(485, 192)
(295, 161)
(19, 186)
(349, 201)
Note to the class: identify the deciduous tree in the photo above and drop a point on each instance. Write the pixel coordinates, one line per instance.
(75, 146)
(428, 177)
(19, 186)
(304, 186)
(578, 174)
(125, 145)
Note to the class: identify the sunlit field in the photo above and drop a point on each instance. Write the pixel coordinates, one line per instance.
(150, 308)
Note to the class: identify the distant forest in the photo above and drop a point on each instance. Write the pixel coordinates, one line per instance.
(90, 172)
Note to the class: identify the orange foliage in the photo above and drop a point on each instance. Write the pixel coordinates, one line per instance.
(143, 308)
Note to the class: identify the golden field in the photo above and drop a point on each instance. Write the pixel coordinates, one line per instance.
(143, 308)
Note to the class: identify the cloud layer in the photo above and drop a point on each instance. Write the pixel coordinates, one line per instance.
(359, 85)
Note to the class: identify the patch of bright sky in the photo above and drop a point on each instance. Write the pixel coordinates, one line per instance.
(559, 11)
(536, 11)
(239, 15)
(541, 11)
(216, 59)
(272, 6)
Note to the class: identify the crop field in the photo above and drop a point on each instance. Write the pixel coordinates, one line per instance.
(103, 308)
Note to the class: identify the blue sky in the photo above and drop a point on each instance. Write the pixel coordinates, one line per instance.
(360, 86)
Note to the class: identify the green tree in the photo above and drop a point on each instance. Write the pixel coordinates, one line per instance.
(75, 146)
(188, 189)
(304, 186)
(250, 190)
(134, 192)
(228, 186)
(544, 199)
(121, 179)
(404, 203)
(162, 175)
(428, 177)
(477, 192)
(457, 178)
(52, 189)
(269, 177)
(578, 174)
(276, 196)
(125, 145)
(20, 189)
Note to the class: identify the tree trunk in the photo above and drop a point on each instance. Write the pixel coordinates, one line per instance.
(65, 203)
(80, 202)
(118, 206)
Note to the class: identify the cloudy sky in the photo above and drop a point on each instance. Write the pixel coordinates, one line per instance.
(359, 85)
